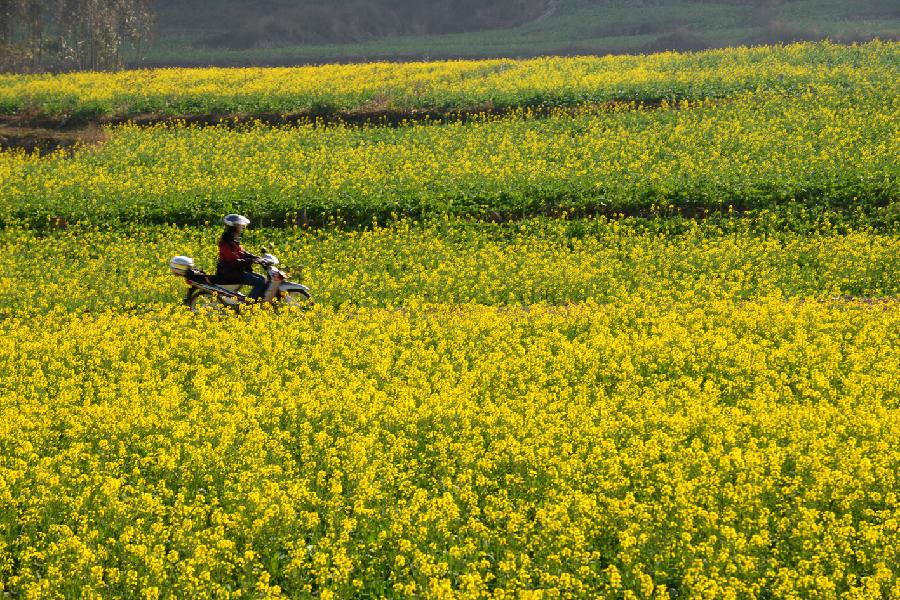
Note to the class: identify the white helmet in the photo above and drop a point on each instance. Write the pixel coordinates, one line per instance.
(232, 220)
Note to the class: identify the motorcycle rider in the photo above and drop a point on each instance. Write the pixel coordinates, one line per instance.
(236, 264)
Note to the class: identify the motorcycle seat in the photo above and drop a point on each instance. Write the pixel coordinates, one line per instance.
(195, 275)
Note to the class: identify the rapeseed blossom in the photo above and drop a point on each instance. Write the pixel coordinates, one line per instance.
(830, 146)
(455, 261)
(452, 85)
(725, 449)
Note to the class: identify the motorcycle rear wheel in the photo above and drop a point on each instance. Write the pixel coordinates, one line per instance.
(207, 304)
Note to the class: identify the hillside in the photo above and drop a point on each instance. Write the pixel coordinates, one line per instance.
(232, 24)
(272, 32)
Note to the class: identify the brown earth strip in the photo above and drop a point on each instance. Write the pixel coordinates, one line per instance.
(47, 141)
(35, 132)
(373, 114)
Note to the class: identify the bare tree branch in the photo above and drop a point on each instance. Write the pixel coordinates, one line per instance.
(64, 35)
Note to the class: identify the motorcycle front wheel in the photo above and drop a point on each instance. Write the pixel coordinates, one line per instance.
(296, 299)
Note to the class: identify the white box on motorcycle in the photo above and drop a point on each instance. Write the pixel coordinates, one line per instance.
(181, 265)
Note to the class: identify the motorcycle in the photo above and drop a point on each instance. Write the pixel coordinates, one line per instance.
(204, 294)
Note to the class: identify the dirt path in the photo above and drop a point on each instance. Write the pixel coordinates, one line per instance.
(46, 141)
(47, 134)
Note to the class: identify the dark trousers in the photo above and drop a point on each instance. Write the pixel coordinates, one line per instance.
(257, 281)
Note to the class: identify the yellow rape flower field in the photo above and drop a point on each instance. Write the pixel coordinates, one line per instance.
(449, 85)
(663, 368)
(722, 450)
(567, 408)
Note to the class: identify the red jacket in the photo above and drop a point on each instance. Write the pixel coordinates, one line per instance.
(233, 259)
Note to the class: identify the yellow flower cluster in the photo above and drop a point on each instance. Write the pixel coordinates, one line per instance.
(456, 261)
(450, 84)
(833, 147)
(719, 449)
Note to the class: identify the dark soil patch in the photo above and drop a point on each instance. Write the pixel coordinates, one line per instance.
(58, 130)
(47, 141)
